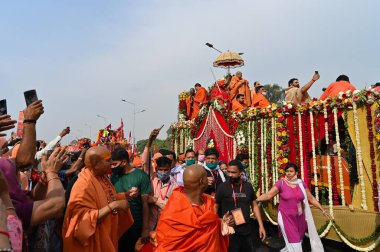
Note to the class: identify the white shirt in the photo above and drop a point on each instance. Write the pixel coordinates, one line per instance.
(50, 146)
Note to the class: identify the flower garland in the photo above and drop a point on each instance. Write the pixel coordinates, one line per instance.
(337, 137)
(281, 143)
(270, 218)
(372, 155)
(359, 156)
(328, 163)
(250, 149)
(306, 149)
(300, 145)
(347, 140)
(182, 104)
(274, 162)
(377, 125)
(296, 140)
(254, 159)
(323, 191)
(265, 152)
(258, 158)
(314, 156)
(330, 144)
(345, 238)
(262, 155)
(323, 230)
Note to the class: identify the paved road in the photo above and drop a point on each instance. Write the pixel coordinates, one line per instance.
(276, 243)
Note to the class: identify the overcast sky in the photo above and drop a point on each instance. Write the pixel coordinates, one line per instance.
(83, 57)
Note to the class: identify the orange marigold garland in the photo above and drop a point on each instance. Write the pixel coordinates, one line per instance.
(281, 142)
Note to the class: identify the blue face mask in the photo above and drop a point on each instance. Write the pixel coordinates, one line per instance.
(244, 166)
(190, 162)
(163, 176)
(211, 166)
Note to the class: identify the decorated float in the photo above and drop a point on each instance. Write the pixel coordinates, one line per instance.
(106, 137)
(336, 144)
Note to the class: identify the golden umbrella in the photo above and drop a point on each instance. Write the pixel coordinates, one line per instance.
(229, 60)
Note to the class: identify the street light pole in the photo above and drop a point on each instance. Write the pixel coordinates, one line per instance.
(134, 118)
(105, 119)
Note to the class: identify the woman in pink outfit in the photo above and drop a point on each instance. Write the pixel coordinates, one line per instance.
(294, 214)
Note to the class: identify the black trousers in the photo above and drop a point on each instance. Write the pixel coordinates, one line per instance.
(240, 243)
(128, 241)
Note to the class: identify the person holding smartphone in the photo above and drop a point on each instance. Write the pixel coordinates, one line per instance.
(296, 94)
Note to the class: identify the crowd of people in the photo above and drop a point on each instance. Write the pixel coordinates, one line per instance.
(98, 200)
(237, 95)
(101, 200)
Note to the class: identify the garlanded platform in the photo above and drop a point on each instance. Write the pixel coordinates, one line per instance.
(335, 143)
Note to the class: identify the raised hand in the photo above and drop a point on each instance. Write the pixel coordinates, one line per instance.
(65, 132)
(316, 76)
(154, 134)
(6, 123)
(55, 162)
(34, 111)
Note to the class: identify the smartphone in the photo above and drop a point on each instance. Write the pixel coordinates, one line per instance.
(3, 107)
(316, 72)
(30, 96)
(162, 126)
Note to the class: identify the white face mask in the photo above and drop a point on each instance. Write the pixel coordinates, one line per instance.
(264, 93)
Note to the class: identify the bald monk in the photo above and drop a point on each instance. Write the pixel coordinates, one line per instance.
(259, 99)
(96, 216)
(190, 105)
(189, 222)
(200, 98)
(342, 84)
(240, 86)
(239, 104)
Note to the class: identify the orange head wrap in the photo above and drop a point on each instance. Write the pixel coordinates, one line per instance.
(137, 162)
(221, 82)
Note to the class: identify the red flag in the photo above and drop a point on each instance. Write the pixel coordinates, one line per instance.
(20, 124)
(130, 137)
(121, 129)
(108, 127)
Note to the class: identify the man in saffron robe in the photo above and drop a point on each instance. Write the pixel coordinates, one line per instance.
(253, 90)
(238, 105)
(200, 98)
(240, 86)
(219, 90)
(189, 222)
(96, 216)
(190, 105)
(342, 84)
(259, 99)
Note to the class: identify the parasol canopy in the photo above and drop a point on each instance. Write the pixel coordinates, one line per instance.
(229, 60)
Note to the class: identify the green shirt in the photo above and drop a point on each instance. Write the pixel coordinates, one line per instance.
(123, 183)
